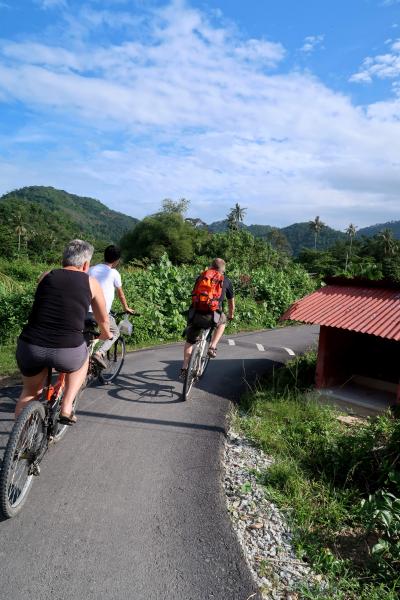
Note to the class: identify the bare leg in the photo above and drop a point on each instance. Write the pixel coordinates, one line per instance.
(187, 353)
(73, 383)
(32, 388)
(217, 335)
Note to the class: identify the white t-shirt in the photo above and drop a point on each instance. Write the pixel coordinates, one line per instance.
(109, 279)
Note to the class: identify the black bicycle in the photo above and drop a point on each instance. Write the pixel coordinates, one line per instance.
(198, 362)
(114, 357)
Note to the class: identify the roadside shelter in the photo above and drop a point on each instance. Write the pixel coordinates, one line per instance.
(359, 342)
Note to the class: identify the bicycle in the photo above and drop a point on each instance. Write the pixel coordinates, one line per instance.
(114, 358)
(198, 362)
(36, 428)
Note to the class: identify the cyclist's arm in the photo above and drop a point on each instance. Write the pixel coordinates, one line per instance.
(231, 308)
(122, 299)
(99, 309)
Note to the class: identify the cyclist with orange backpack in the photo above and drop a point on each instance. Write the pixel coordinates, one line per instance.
(210, 290)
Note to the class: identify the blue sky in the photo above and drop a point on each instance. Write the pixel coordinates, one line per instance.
(290, 108)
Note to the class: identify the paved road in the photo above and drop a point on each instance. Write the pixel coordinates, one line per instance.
(129, 505)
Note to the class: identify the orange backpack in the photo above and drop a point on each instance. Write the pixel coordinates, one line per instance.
(208, 291)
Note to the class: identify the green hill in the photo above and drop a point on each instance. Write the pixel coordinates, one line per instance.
(374, 229)
(300, 235)
(39, 220)
(292, 238)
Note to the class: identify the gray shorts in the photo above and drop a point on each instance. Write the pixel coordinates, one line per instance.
(200, 322)
(32, 359)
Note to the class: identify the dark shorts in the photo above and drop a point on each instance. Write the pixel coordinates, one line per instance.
(200, 322)
(32, 359)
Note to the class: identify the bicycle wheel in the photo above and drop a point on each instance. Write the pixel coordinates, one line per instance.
(114, 359)
(205, 359)
(192, 372)
(26, 441)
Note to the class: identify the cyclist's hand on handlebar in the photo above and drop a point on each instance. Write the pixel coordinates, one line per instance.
(105, 335)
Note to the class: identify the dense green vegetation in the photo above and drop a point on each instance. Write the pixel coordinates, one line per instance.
(375, 258)
(161, 294)
(294, 238)
(37, 221)
(339, 484)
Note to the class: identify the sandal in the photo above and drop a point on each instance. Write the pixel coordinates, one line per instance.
(212, 352)
(67, 419)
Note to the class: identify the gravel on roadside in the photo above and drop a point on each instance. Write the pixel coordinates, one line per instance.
(262, 531)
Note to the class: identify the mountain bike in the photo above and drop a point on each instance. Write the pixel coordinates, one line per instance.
(198, 362)
(115, 355)
(36, 428)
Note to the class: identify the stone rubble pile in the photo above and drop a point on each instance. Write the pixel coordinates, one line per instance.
(263, 534)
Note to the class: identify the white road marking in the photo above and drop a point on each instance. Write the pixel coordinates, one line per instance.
(290, 351)
(260, 347)
(231, 342)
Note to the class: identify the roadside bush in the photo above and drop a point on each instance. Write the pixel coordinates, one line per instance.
(14, 312)
(340, 485)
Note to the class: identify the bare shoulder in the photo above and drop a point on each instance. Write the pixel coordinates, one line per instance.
(94, 285)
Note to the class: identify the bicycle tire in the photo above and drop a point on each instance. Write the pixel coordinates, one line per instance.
(10, 507)
(115, 357)
(190, 374)
(205, 358)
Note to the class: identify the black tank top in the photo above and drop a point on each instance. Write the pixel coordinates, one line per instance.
(59, 309)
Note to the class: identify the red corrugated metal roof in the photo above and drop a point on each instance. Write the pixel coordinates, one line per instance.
(366, 310)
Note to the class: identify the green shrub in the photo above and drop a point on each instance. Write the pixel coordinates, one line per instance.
(336, 483)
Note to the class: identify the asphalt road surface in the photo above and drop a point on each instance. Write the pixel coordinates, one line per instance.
(129, 504)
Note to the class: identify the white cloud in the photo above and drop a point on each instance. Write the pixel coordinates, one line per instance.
(46, 4)
(259, 50)
(312, 42)
(186, 107)
(382, 66)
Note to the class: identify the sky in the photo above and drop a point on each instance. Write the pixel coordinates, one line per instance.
(291, 109)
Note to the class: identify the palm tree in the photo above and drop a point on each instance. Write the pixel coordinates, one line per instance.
(236, 216)
(20, 230)
(351, 232)
(316, 226)
(388, 242)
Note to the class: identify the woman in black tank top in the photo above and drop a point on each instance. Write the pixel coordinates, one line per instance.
(53, 336)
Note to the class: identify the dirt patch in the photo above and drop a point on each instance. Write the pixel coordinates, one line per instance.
(354, 545)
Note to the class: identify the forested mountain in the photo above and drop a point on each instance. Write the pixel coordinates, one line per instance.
(37, 220)
(34, 220)
(294, 237)
(300, 235)
(374, 229)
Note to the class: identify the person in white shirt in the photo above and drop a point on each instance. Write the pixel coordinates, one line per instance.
(110, 280)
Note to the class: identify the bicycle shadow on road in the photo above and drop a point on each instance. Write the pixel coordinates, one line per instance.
(226, 378)
(145, 387)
